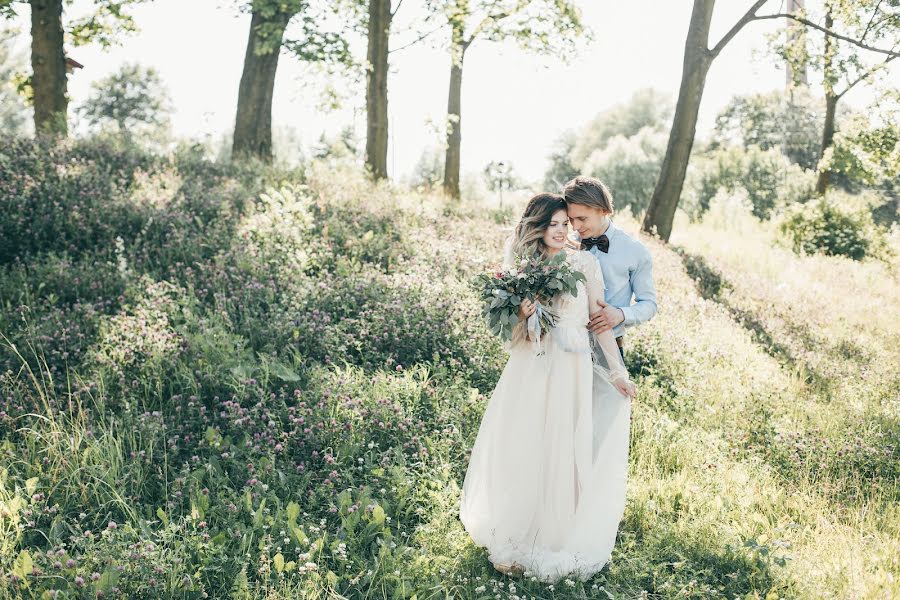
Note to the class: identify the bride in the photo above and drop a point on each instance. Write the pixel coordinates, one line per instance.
(545, 487)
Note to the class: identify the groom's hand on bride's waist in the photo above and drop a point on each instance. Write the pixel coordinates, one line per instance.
(605, 318)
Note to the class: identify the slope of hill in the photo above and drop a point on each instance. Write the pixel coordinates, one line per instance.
(221, 382)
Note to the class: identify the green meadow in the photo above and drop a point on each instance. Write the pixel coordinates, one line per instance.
(254, 382)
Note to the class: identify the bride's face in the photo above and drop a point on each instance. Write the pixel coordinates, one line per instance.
(555, 235)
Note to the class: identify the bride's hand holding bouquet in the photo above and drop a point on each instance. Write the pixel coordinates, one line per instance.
(526, 291)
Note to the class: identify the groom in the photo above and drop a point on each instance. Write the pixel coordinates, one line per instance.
(625, 262)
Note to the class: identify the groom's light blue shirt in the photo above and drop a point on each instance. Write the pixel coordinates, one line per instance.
(627, 273)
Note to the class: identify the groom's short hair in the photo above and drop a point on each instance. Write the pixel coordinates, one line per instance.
(589, 191)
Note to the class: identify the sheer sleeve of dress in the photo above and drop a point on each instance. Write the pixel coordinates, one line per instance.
(607, 359)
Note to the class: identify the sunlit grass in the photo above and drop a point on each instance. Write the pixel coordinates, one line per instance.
(239, 430)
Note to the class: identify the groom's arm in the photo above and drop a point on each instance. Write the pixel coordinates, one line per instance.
(644, 307)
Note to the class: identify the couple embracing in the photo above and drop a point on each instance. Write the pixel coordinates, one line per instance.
(545, 487)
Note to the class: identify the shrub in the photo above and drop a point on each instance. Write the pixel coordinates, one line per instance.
(768, 177)
(277, 231)
(630, 167)
(788, 122)
(822, 226)
(394, 321)
(646, 108)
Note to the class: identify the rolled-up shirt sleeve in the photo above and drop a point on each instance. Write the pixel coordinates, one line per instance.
(644, 307)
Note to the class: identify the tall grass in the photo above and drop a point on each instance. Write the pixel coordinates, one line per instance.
(274, 396)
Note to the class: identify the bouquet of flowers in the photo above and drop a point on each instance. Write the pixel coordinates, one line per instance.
(537, 279)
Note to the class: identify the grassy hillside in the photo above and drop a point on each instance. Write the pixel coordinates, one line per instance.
(248, 383)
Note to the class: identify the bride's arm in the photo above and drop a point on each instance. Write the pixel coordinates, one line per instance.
(606, 351)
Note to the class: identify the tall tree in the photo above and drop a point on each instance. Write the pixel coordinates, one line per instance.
(548, 27)
(698, 58)
(269, 33)
(253, 123)
(844, 63)
(795, 70)
(49, 80)
(48, 67)
(133, 99)
(380, 17)
(13, 112)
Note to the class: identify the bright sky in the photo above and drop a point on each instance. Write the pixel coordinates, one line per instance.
(514, 105)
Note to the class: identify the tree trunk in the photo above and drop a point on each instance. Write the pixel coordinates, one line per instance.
(253, 125)
(697, 59)
(376, 88)
(454, 117)
(831, 100)
(824, 177)
(48, 65)
(795, 32)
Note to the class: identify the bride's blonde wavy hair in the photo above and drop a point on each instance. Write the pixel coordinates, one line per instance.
(528, 237)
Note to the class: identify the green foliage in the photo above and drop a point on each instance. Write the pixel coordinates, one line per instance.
(533, 278)
(547, 27)
(561, 168)
(103, 24)
(499, 176)
(630, 167)
(623, 146)
(13, 112)
(189, 406)
(308, 38)
(790, 122)
(769, 179)
(868, 155)
(342, 147)
(826, 226)
(133, 99)
(843, 64)
(429, 170)
(646, 108)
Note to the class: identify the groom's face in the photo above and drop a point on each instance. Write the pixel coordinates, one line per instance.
(587, 221)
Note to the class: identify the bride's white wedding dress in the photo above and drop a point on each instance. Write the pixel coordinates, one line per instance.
(545, 486)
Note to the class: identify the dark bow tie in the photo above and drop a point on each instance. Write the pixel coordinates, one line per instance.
(601, 242)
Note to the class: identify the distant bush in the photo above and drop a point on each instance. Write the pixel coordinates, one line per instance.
(133, 102)
(630, 167)
(768, 177)
(571, 154)
(645, 108)
(790, 123)
(825, 227)
(561, 168)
